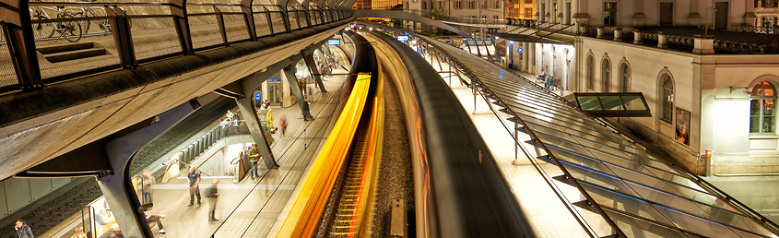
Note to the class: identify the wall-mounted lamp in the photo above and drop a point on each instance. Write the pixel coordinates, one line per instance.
(743, 90)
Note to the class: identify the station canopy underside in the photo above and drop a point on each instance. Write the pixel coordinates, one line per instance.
(643, 194)
(530, 39)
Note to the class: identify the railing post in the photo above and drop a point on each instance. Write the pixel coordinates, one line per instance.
(220, 20)
(285, 18)
(248, 16)
(178, 8)
(307, 12)
(297, 15)
(268, 18)
(18, 33)
(122, 37)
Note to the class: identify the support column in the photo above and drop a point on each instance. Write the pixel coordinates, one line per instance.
(255, 128)
(117, 187)
(289, 72)
(314, 71)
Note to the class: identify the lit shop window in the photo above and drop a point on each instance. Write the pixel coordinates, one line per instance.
(761, 113)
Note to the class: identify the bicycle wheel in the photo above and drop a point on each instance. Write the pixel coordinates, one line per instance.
(71, 29)
(102, 24)
(43, 30)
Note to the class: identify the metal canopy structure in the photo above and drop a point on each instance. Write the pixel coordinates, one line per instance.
(634, 192)
(613, 104)
(530, 39)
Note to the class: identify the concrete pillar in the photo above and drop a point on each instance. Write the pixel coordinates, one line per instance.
(662, 40)
(117, 187)
(618, 34)
(703, 45)
(637, 38)
(309, 59)
(259, 135)
(289, 72)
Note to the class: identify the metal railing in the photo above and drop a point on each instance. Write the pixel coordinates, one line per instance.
(479, 88)
(46, 42)
(212, 136)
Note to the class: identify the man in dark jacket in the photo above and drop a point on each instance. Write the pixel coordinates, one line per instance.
(211, 195)
(22, 230)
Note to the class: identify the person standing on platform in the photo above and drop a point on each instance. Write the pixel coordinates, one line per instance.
(146, 181)
(283, 125)
(254, 158)
(211, 194)
(22, 230)
(115, 232)
(78, 232)
(194, 186)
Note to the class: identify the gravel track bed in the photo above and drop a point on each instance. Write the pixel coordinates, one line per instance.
(395, 172)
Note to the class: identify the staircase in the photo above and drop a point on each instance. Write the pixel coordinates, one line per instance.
(61, 53)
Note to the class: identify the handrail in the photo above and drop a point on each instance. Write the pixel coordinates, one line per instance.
(590, 201)
(23, 38)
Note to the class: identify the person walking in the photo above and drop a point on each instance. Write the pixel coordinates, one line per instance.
(254, 158)
(283, 125)
(211, 194)
(146, 182)
(194, 186)
(22, 230)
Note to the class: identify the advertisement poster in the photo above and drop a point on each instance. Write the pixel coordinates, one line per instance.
(683, 126)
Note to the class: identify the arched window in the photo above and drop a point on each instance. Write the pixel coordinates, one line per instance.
(624, 70)
(606, 75)
(761, 113)
(668, 98)
(590, 73)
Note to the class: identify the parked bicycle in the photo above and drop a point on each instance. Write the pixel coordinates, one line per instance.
(103, 24)
(66, 27)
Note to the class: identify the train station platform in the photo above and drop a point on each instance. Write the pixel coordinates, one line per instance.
(248, 208)
(577, 176)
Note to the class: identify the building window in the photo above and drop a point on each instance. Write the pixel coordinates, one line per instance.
(668, 98)
(472, 5)
(529, 1)
(440, 5)
(458, 5)
(590, 73)
(609, 13)
(542, 13)
(528, 13)
(484, 5)
(424, 4)
(625, 73)
(495, 17)
(606, 75)
(761, 113)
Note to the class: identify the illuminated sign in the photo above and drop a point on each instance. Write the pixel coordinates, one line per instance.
(334, 42)
(274, 80)
(520, 50)
(403, 38)
(258, 96)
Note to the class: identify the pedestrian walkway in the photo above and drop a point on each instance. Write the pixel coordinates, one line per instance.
(546, 214)
(250, 207)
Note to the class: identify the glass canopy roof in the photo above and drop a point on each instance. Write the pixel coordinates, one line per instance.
(613, 104)
(644, 195)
